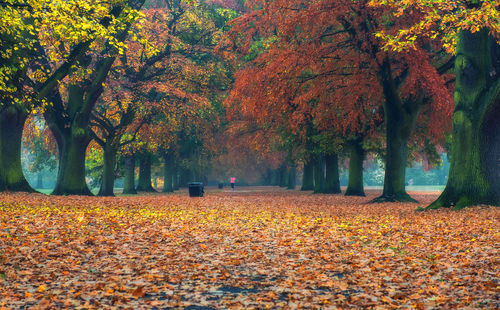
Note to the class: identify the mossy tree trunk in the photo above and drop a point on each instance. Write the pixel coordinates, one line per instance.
(71, 174)
(129, 175)
(144, 184)
(474, 176)
(70, 126)
(400, 120)
(356, 157)
(308, 176)
(332, 179)
(108, 171)
(168, 174)
(12, 119)
(70, 122)
(292, 176)
(319, 174)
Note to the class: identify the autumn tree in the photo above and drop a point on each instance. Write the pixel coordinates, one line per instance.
(471, 31)
(72, 104)
(165, 69)
(30, 66)
(115, 123)
(345, 65)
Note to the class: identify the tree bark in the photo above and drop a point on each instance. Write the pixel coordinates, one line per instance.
(12, 119)
(108, 172)
(319, 175)
(355, 182)
(144, 184)
(292, 176)
(332, 179)
(400, 120)
(71, 174)
(71, 132)
(308, 177)
(474, 176)
(168, 174)
(129, 175)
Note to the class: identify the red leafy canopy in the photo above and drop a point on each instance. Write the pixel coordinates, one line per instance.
(321, 61)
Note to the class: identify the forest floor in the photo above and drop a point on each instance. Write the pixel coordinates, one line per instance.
(249, 249)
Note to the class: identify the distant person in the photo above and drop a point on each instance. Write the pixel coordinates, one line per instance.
(233, 180)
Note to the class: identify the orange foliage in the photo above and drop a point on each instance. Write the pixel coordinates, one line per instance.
(251, 249)
(321, 62)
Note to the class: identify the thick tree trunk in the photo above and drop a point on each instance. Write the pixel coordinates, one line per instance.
(355, 182)
(308, 176)
(400, 119)
(292, 176)
(108, 172)
(129, 175)
(395, 161)
(332, 179)
(319, 175)
(12, 178)
(144, 184)
(283, 175)
(71, 174)
(168, 174)
(474, 176)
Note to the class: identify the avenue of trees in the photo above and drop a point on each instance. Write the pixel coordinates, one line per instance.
(192, 90)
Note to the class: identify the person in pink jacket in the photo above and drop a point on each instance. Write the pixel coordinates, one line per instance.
(233, 180)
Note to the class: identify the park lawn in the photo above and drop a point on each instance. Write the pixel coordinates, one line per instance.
(252, 249)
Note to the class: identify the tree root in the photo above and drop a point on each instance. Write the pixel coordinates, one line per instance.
(399, 197)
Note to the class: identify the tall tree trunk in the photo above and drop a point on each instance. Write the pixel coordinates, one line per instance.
(129, 175)
(168, 174)
(71, 174)
(474, 176)
(356, 157)
(398, 133)
(283, 175)
(319, 175)
(332, 179)
(108, 172)
(144, 184)
(292, 176)
(400, 119)
(12, 121)
(308, 176)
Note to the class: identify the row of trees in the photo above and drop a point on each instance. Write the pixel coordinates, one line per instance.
(324, 76)
(314, 81)
(135, 77)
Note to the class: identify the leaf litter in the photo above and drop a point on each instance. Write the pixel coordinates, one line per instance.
(273, 249)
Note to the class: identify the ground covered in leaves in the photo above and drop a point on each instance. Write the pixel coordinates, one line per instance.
(253, 249)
